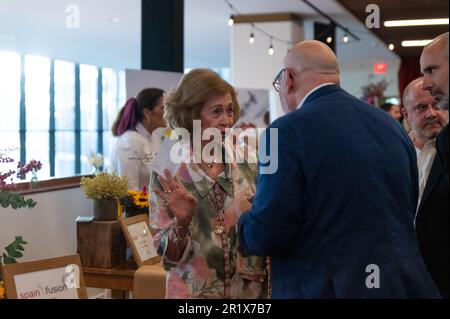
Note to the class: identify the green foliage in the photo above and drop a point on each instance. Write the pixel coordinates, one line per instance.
(15, 200)
(105, 186)
(13, 251)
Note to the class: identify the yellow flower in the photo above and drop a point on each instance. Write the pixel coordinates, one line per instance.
(168, 132)
(2, 290)
(119, 210)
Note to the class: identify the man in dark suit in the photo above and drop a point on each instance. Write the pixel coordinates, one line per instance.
(337, 217)
(432, 221)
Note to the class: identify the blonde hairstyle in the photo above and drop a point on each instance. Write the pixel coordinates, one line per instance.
(183, 105)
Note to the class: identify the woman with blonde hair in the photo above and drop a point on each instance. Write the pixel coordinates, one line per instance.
(194, 214)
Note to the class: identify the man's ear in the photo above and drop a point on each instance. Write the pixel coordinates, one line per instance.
(404, 113)
(288, 77)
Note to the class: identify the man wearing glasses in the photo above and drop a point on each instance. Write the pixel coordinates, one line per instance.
(337, 217)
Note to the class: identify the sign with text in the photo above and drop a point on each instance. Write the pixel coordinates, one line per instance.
(56, 278)
(137, 232)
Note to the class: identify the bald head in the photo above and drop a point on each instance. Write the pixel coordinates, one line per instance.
(439, 44)
(306, 66)
(411, 91)
(313, 56)
(434, 65)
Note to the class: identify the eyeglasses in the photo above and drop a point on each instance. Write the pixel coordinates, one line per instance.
(277, 81)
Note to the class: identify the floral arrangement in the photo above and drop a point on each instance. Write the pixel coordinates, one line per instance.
(8, 194)
(97, 161)
(105, 186)
(373, 93)
(10, 197)
(135, 202)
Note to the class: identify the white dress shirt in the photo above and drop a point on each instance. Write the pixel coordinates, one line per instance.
(132, 156)
(311, 92)
(425, 158)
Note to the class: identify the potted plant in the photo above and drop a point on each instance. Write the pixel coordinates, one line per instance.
(105, 189)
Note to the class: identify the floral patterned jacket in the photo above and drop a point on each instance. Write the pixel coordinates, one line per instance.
(200, 272)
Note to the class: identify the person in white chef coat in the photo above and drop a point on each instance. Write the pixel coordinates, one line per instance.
(139, 128)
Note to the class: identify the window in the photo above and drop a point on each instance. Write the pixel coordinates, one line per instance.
(89, 115)
(113, 99)
(10, 66)
(37, 110)
(64, 73)
(57, 112)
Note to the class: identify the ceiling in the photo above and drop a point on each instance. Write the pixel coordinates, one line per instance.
(110, 30)
(212, 45)
(403, 10)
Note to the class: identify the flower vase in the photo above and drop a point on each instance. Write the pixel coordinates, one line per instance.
(34, 180)
(105, 209)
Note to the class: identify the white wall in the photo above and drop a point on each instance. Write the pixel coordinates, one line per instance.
(252, 67)
(49, 228)
(354, 76)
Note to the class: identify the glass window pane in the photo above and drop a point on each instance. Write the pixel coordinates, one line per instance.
(10, 69)
(108, 141)
(65, 154)
(122, 96)
(9, 147)
(64, 95)
(37, 146)
(88, 147)
(110, 97)
(88, 98)
(37, 92)
(10, 141)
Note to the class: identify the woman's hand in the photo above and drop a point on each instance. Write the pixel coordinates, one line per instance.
(177, 198)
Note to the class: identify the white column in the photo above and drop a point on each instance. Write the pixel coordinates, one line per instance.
(251, 65)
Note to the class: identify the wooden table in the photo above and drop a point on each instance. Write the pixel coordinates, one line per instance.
(119, 279)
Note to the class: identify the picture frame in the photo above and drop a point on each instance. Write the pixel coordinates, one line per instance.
(139, 237)
(54, 278)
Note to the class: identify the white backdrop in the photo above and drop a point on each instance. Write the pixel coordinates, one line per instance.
(137, 80)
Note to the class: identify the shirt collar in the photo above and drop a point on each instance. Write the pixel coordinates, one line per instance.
(430, 143)
(311, 92)
(203, 183)
(143, 131)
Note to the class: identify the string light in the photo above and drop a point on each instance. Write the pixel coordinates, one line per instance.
(252, 38)
(345, 39)
(231, 21)
(271, 49)
(391, 47)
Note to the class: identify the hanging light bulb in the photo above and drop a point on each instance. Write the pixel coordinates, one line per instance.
(391, 47)
(231, 21)
(345, 39)
(329, 39)
(271, 50)
(252, 38)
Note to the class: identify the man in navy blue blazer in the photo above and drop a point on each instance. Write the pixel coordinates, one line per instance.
(337, 216)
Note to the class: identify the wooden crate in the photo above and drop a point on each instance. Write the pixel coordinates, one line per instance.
(101, 244)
